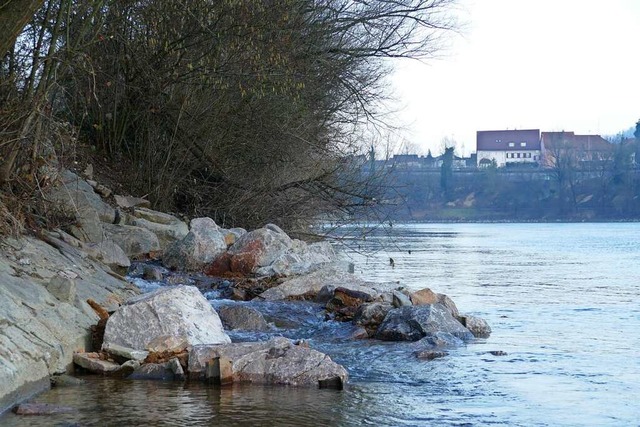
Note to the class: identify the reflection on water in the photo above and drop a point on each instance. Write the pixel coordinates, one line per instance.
(562, 302)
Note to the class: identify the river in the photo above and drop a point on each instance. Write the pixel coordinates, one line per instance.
(562, 300)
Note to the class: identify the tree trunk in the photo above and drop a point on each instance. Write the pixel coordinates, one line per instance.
(14, 15)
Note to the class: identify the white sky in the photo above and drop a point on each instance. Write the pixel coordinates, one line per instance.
(569, 65)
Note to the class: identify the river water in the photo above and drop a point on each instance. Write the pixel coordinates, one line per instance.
(562, 300)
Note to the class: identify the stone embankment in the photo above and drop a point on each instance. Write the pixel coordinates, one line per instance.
(64, 303)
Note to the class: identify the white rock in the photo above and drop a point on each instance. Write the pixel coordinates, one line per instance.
(180, 311)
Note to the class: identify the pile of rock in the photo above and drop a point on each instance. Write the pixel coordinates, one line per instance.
(174, 333)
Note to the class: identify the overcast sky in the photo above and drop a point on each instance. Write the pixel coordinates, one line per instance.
(553, 65)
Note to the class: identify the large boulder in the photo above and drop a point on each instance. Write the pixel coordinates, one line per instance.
(168, 228)
(310, 285)
(300, 258)
(277, 361)
(371, 315)
(258, 248)
(204, 243)
(415, 322)
(179, 311)
(426, 297)
(134, 241)
(75, 197)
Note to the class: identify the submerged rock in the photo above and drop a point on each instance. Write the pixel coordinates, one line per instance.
(416, 322)
(431, 354)
(42, 409)
(179, 311)
(241, 317)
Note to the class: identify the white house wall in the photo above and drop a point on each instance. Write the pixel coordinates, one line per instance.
(500, 157)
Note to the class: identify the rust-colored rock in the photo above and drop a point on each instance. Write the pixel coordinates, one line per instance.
(424, 297)
(220, 266)
(100, 310)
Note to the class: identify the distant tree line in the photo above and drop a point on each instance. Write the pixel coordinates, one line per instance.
(243, 110)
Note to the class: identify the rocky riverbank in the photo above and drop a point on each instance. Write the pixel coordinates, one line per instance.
(64, 301)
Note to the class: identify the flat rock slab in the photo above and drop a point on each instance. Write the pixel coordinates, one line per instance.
(91, 362)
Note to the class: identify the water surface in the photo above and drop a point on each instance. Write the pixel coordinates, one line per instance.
(562, 300)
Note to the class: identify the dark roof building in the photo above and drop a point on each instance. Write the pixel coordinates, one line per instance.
(508, 140)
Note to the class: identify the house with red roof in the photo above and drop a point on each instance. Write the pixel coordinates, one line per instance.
(578, 150)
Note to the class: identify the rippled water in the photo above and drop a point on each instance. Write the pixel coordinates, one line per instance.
(562, 300)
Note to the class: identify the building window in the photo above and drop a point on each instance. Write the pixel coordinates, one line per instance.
(512, 144)
(518, 155)
(523, 144)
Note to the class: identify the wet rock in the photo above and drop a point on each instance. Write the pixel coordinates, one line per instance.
(345, 303)
(64, 289)
(42, 409)
(439, 340)
(359, 333)
(154, 371)
(93, 363)
(498, 353)
(325, 294)
(370, 316)
(478, 327)
(431, 354)
(134, 241)
(400, 299)
(153, 273)
(202, 355)
(203, 244)
(241, 317)
(290, 365)
(424, 297)
(65, 380)
(179, 311)
(416, 322)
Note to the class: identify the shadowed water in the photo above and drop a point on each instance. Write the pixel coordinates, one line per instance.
(562, 300)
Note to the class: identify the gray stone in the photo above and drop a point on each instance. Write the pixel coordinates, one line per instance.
(134, 241)
(439, 340)
(416, 322)
(92, 362)
(478, 327)
(64, 380)
(400, 299)
(154, 371)
(242, 317)
(108, 253)
(130, 201)
(62, 288)
(277, 361)
(198, 248)
(290, 365)
(300, 258)
(371, 315)
(168, 228)
(152, 272)
(449, 304)
(179, 311)
(309, 285)
(125, 353)
(168, 344)
(38, 332)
